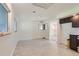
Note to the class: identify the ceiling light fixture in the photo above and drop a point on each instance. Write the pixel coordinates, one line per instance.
(75, 17)
(34, 11)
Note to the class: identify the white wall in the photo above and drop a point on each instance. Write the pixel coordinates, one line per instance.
(53, 31)
(65, 32)
(29, 28)
(10, 18)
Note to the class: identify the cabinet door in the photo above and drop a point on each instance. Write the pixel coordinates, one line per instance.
(73, 42)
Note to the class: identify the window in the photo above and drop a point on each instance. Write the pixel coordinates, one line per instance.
(3, 19)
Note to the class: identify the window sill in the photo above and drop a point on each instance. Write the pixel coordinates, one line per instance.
(4, 33)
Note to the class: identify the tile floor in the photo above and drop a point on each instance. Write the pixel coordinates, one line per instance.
(41, 47)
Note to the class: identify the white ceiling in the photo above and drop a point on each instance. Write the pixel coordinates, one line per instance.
(42, 11)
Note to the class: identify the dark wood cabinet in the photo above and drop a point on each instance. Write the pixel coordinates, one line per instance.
(65, 20)
(74, 42)
(75, 23)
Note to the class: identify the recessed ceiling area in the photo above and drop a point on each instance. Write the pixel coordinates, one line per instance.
(42, 5)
